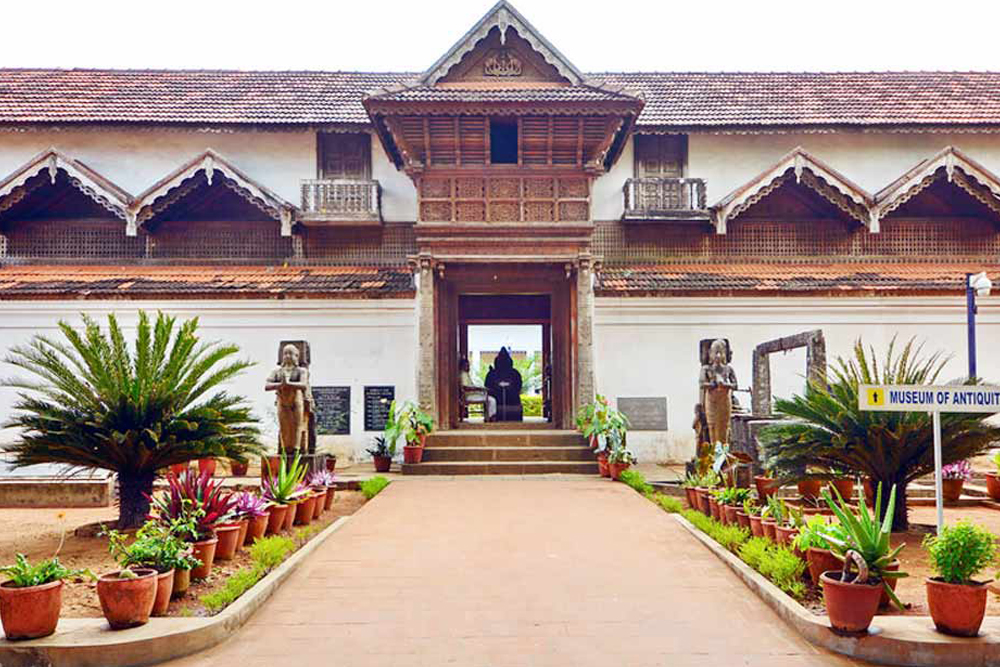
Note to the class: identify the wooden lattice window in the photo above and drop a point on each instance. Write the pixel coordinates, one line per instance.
(345, 156)
(660, 155)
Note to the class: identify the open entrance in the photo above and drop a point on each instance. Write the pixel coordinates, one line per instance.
(505, 347)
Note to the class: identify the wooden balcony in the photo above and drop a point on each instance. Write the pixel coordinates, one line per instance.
(666, 199)
(341, 201)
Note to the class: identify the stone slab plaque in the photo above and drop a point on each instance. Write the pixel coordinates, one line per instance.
(333, 410)
(646, 413)
(377, 402)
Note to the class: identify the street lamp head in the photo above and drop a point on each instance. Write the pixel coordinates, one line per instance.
(981, 283)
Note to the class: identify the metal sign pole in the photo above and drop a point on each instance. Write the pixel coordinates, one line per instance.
(938, 495)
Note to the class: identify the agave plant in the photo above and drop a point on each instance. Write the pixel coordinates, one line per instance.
(96, 403)
(197, 497)
(284, 485)
(826, 429)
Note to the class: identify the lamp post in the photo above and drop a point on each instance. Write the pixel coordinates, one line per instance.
(977, 284)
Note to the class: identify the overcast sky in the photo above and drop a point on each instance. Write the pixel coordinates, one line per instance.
(398, 35)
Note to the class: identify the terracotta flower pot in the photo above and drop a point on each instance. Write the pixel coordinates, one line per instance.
(951, 489)
(207, 466)
(178, 468)
(851, 607)
(164, 589)
(413, 453)
(239, 469)
(845, 487)
(320, 495)
(228, 536)
(819, 561)
(182, 581)
(304, 510)
(784, 534)
(257, 527)
(617, 469)
(331, 463)
(993, 485)
(127, 603)
(205, 552)
(730, 513)
(593, 441)
(330, 491)
(743, 519)
(957, 609)
(766, 486)
(810, 488)
(382, 463)
(713, 506)
(276, 518)
(269, 465)
(756, 526)
(30, 612)
(885, 601)
(704, 502)
(691, 497)
(602, 465)
(769, 526)
(290, 517)
(244, 529)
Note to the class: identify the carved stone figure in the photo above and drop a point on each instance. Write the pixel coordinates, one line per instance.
(717, 383)
(293, 399)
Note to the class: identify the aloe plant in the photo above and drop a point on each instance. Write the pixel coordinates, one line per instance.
(868, 534)
(285, 485)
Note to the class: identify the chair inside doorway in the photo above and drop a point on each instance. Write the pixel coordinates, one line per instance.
(504, 353)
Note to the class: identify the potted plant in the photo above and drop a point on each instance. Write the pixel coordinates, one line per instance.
(619, 460)
(282, 489)
(993, 479)
(731, 500)
(811, 541)
(30, 600)
(591, 420)
(953, 478)
(127, 596)
(418, 424)
(766, 484)
(844, 483)
(331, 462)
(156, 546)
(785, 530)
(774, 512)
(238, 468)
(752, 511)
(323, 479)
(852, 599)
(689, 484)
(306, 507)
(382, 453)
(255, 511)
(959, 553)
(206, 466)
(809, 489)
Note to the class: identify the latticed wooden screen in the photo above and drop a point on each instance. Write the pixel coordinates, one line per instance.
(219, 240)
(71, 239)
(906, 240)
(509, 198)
(389, 246)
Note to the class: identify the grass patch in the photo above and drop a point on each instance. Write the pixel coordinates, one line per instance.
(668, 503)
(236, 585)
(374, 486)
(634, 479)
(269, 552)
(306, 533)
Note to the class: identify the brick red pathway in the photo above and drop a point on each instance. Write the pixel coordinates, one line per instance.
(513, 572)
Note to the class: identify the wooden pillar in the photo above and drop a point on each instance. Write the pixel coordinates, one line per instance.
(426, 337)
(584, 332)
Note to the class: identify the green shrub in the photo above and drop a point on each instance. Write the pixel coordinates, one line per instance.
(306, 533)
(668, 503)
(236, 585)
(697, 519)
(961, 551)
(729, 536)
(269, 552)
(372, 487)
(532, 405)
(785, 569)
(752, 551)
(634, 479)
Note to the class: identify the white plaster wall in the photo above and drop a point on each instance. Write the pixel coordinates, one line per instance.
(607, 201)
(649, 346)
(399, 194)
(353, 342)
(871, 160)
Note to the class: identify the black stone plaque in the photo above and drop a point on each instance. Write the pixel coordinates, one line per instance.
(333, 410)
(377, 402)
(648, 413)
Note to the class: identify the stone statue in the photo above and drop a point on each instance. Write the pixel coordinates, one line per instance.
(717, 383)
(290, 382)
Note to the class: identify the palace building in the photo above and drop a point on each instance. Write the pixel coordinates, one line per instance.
(379, 215)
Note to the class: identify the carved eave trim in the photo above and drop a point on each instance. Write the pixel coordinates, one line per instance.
(502, 16)
(172, 187)
(806, 170)
(104, 192)
(950, 163)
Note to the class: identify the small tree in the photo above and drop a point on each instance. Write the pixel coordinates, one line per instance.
(826, 430)
(96, 404)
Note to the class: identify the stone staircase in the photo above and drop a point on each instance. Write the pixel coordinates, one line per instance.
(504, 452)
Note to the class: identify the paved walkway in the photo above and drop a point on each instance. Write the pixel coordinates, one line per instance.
(499, 573)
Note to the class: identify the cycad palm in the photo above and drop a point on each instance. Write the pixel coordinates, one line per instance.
(826, 430)
(94, 403)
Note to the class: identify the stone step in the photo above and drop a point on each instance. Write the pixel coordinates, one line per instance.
(486, 438)
(524, 453)
(500, 468)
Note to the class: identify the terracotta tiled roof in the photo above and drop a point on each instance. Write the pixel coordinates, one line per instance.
(672, 99)
(240, 282)
(757, 279)
(554, 94)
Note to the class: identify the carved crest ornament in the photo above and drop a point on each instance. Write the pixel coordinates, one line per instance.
(503, 63)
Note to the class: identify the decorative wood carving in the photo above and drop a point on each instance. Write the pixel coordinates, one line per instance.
(504, 198)
(502, 63)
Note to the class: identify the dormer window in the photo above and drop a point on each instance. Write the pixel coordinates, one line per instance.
(503, 141)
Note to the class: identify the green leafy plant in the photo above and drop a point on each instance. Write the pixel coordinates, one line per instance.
(750, 507)
(374, 486)
(775, 509)
(23, 574)
(784, 569)
(155, 545)
(620, 454)
(191, 496)
(996, 462)
(814, 533)
(826, 428)
(381, 448)
(668, 503)
(637, 481)
(418, 425)
(600, 419)
(867, 534)
(961, 551)
(731, 495)
(752, 551)
(269, 552)
(237, 584)
(285, 485)
(96, 403)
(396, 424)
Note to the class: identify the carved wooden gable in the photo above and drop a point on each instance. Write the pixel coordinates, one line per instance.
(497, 62)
